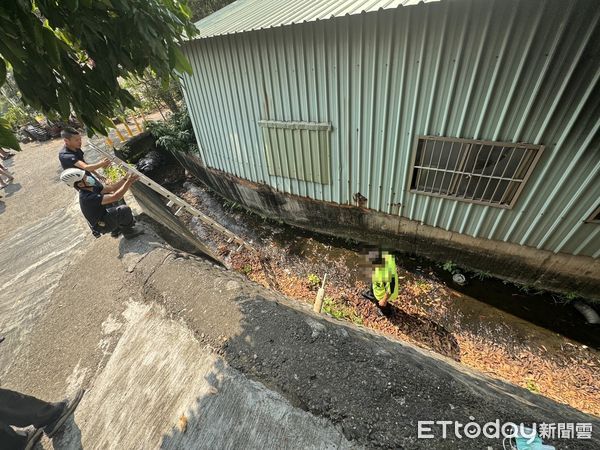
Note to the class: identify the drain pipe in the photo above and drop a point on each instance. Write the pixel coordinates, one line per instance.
(587, 311)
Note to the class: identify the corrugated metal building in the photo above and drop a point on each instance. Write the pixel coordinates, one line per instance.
(341, 101)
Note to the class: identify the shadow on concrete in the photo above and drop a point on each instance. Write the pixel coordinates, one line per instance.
(68, 438)
(234, 413)
(137, 245)
(187, 433)
(370, 388)
(169, 226)
(141, 246)
(11, 188)
(2, 205)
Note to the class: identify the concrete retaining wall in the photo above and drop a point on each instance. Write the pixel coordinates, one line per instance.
(542, 269)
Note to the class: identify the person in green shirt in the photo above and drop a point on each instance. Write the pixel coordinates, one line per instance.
(384, 279)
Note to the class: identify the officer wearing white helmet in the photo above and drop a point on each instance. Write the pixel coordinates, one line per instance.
(98, 203)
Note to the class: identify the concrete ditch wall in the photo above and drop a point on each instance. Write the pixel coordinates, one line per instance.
(539, 268)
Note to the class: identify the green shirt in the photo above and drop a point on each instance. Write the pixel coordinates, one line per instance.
(385, 279)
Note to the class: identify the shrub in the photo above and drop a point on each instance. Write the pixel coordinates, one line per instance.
(449, 266)
(314, 280)
(114, 173)
(174, 134)
(16, 117)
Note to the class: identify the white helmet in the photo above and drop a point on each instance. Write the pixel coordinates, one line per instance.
(72, 176)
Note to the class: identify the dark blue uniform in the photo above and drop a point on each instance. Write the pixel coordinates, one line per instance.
(68, 158)
(91, 205)
(102, 219)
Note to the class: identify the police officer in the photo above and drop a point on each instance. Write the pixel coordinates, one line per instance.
(71, 156)
(98, 203)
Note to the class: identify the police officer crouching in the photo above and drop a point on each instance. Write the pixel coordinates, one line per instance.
(98, 203)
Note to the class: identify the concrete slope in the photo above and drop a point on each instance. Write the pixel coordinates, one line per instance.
(27, 278)
(74, 315)
(375, 389)
(158, 373)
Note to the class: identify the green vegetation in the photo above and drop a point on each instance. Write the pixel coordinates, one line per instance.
(314, 280)
(153, 94)
(175, 134)
(13, 111)
(203, 8)
(565, 298)
(232, 206)
(481, 275)
(528, 289)
(423, 285)
(16, 116)
(449, 266)
(532, 386)
(247, 269)
(114, 173)
(357, 320)
(339, 311)
(70, 55)
(350, 242)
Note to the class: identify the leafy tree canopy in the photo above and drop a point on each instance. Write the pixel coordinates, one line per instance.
(203, 8)
(70, 54)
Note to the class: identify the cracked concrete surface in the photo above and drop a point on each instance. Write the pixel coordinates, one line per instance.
(74, 315)
(27, 279)
(176, 352)
(161, 371)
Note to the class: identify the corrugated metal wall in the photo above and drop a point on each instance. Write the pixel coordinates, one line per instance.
(517, 71)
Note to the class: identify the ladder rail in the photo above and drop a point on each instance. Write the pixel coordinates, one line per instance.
(171, 197)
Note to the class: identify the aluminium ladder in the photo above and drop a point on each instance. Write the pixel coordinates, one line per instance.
(173, 199)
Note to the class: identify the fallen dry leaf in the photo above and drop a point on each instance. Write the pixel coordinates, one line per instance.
(182, 424)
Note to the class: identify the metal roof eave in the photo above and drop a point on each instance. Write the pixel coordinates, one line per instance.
(254, 15)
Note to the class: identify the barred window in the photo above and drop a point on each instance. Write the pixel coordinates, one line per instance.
(484, 172)
(595, 217)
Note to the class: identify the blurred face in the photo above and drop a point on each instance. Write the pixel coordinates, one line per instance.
(74, 142)
(368, 265)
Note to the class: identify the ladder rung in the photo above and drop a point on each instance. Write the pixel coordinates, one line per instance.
(173, 199)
